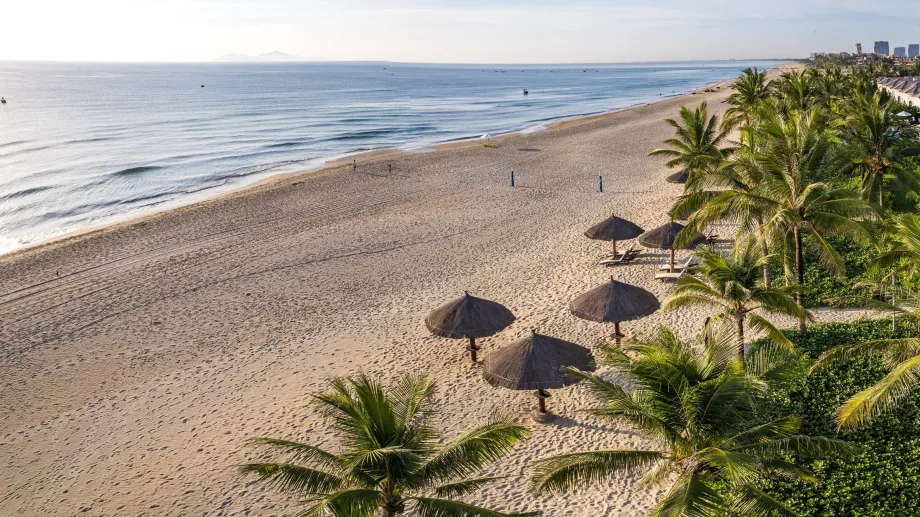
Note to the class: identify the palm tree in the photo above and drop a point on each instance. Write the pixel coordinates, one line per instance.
(750, 89)
(740, 172)
(699, 401)
(797, 90)
(696, 143)
(393, 459)
(873, 149)
(903, 255)
(795, 210)
(900, 356)
(733, 289)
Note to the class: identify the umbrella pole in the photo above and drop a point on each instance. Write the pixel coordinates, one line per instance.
(616, 332)
(542, 395)
(473, 348)
(614, 247)
(672, 259)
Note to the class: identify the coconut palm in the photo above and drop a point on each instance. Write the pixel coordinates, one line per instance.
(696, 142)
(732, 288)
(740, 172)
(794, 209)
(750, 89)
(699, 402)
(797, 90)
(393, 460)
(903, 255)
(900, 356)
(873, 149)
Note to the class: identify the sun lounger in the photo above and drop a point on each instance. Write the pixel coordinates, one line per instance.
(690, 262)
(670, 276)
(621, 256)
(620, 259)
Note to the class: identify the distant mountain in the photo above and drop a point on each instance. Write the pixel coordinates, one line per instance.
(268, 56)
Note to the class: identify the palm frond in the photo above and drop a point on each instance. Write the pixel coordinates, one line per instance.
(754, 502)
(881, 397)
(557, 474)
(293, 478)
(475, 449)
(462, 488)
(431, 507)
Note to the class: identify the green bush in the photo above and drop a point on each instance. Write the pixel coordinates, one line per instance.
(826, 290)
(883, 480)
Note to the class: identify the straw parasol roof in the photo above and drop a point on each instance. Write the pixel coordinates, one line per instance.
(680, 176)
(614, 302)
(664, 236)
(469, 317)
(614, 229)
(535, 362)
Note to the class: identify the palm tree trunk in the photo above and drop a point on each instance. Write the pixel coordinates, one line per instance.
(739, 323)
(765, 250)
(800, 274)
(881, 190)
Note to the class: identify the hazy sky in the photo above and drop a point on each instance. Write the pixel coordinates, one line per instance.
(477, 31)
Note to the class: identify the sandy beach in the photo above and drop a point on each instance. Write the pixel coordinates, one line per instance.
(137, 359)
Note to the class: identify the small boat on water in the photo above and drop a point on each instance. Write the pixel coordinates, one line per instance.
(526, 92)
(2, 100)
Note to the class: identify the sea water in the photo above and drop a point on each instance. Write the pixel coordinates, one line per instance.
(87, 143)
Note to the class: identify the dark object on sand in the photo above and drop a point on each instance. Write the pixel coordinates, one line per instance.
(678, 177)
(535, 363)
(664, 236)
(614, 229)
(614, 302)
(469, 317)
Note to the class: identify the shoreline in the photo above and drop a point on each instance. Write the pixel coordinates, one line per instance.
(364, 156)
(141, 358)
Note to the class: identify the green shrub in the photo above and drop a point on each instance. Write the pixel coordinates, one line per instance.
(884, 480)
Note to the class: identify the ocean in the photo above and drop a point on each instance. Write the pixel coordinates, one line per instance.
(83, 144)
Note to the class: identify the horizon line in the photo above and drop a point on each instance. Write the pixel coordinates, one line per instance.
(359, 61)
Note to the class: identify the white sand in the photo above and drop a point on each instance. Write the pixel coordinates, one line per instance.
(137, 360)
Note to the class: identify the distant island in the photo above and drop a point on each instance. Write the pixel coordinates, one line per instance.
(268, 56)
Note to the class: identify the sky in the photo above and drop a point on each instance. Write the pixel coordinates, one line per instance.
(458, 31)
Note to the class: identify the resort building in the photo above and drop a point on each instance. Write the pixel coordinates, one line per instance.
(905, 90)
(881, 47)
(913, 50)
(900, 52)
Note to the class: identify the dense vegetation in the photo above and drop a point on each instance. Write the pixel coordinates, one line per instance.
(883, 479)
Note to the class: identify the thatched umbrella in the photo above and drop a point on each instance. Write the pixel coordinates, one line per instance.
(614, 229)
(469, 317)
(680, 176)
(664, 236)
(614, 302)
(535, 363)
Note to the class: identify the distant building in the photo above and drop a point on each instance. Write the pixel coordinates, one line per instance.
(905, 90)
(900, 52)
(858, 49)
(913, 50)
(881, 47)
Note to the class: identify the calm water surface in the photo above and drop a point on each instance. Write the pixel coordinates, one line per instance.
(87, 143)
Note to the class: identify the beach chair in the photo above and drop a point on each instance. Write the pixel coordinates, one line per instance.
(664, 277)
(690, 262)
(621, 257)
(712, 237)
